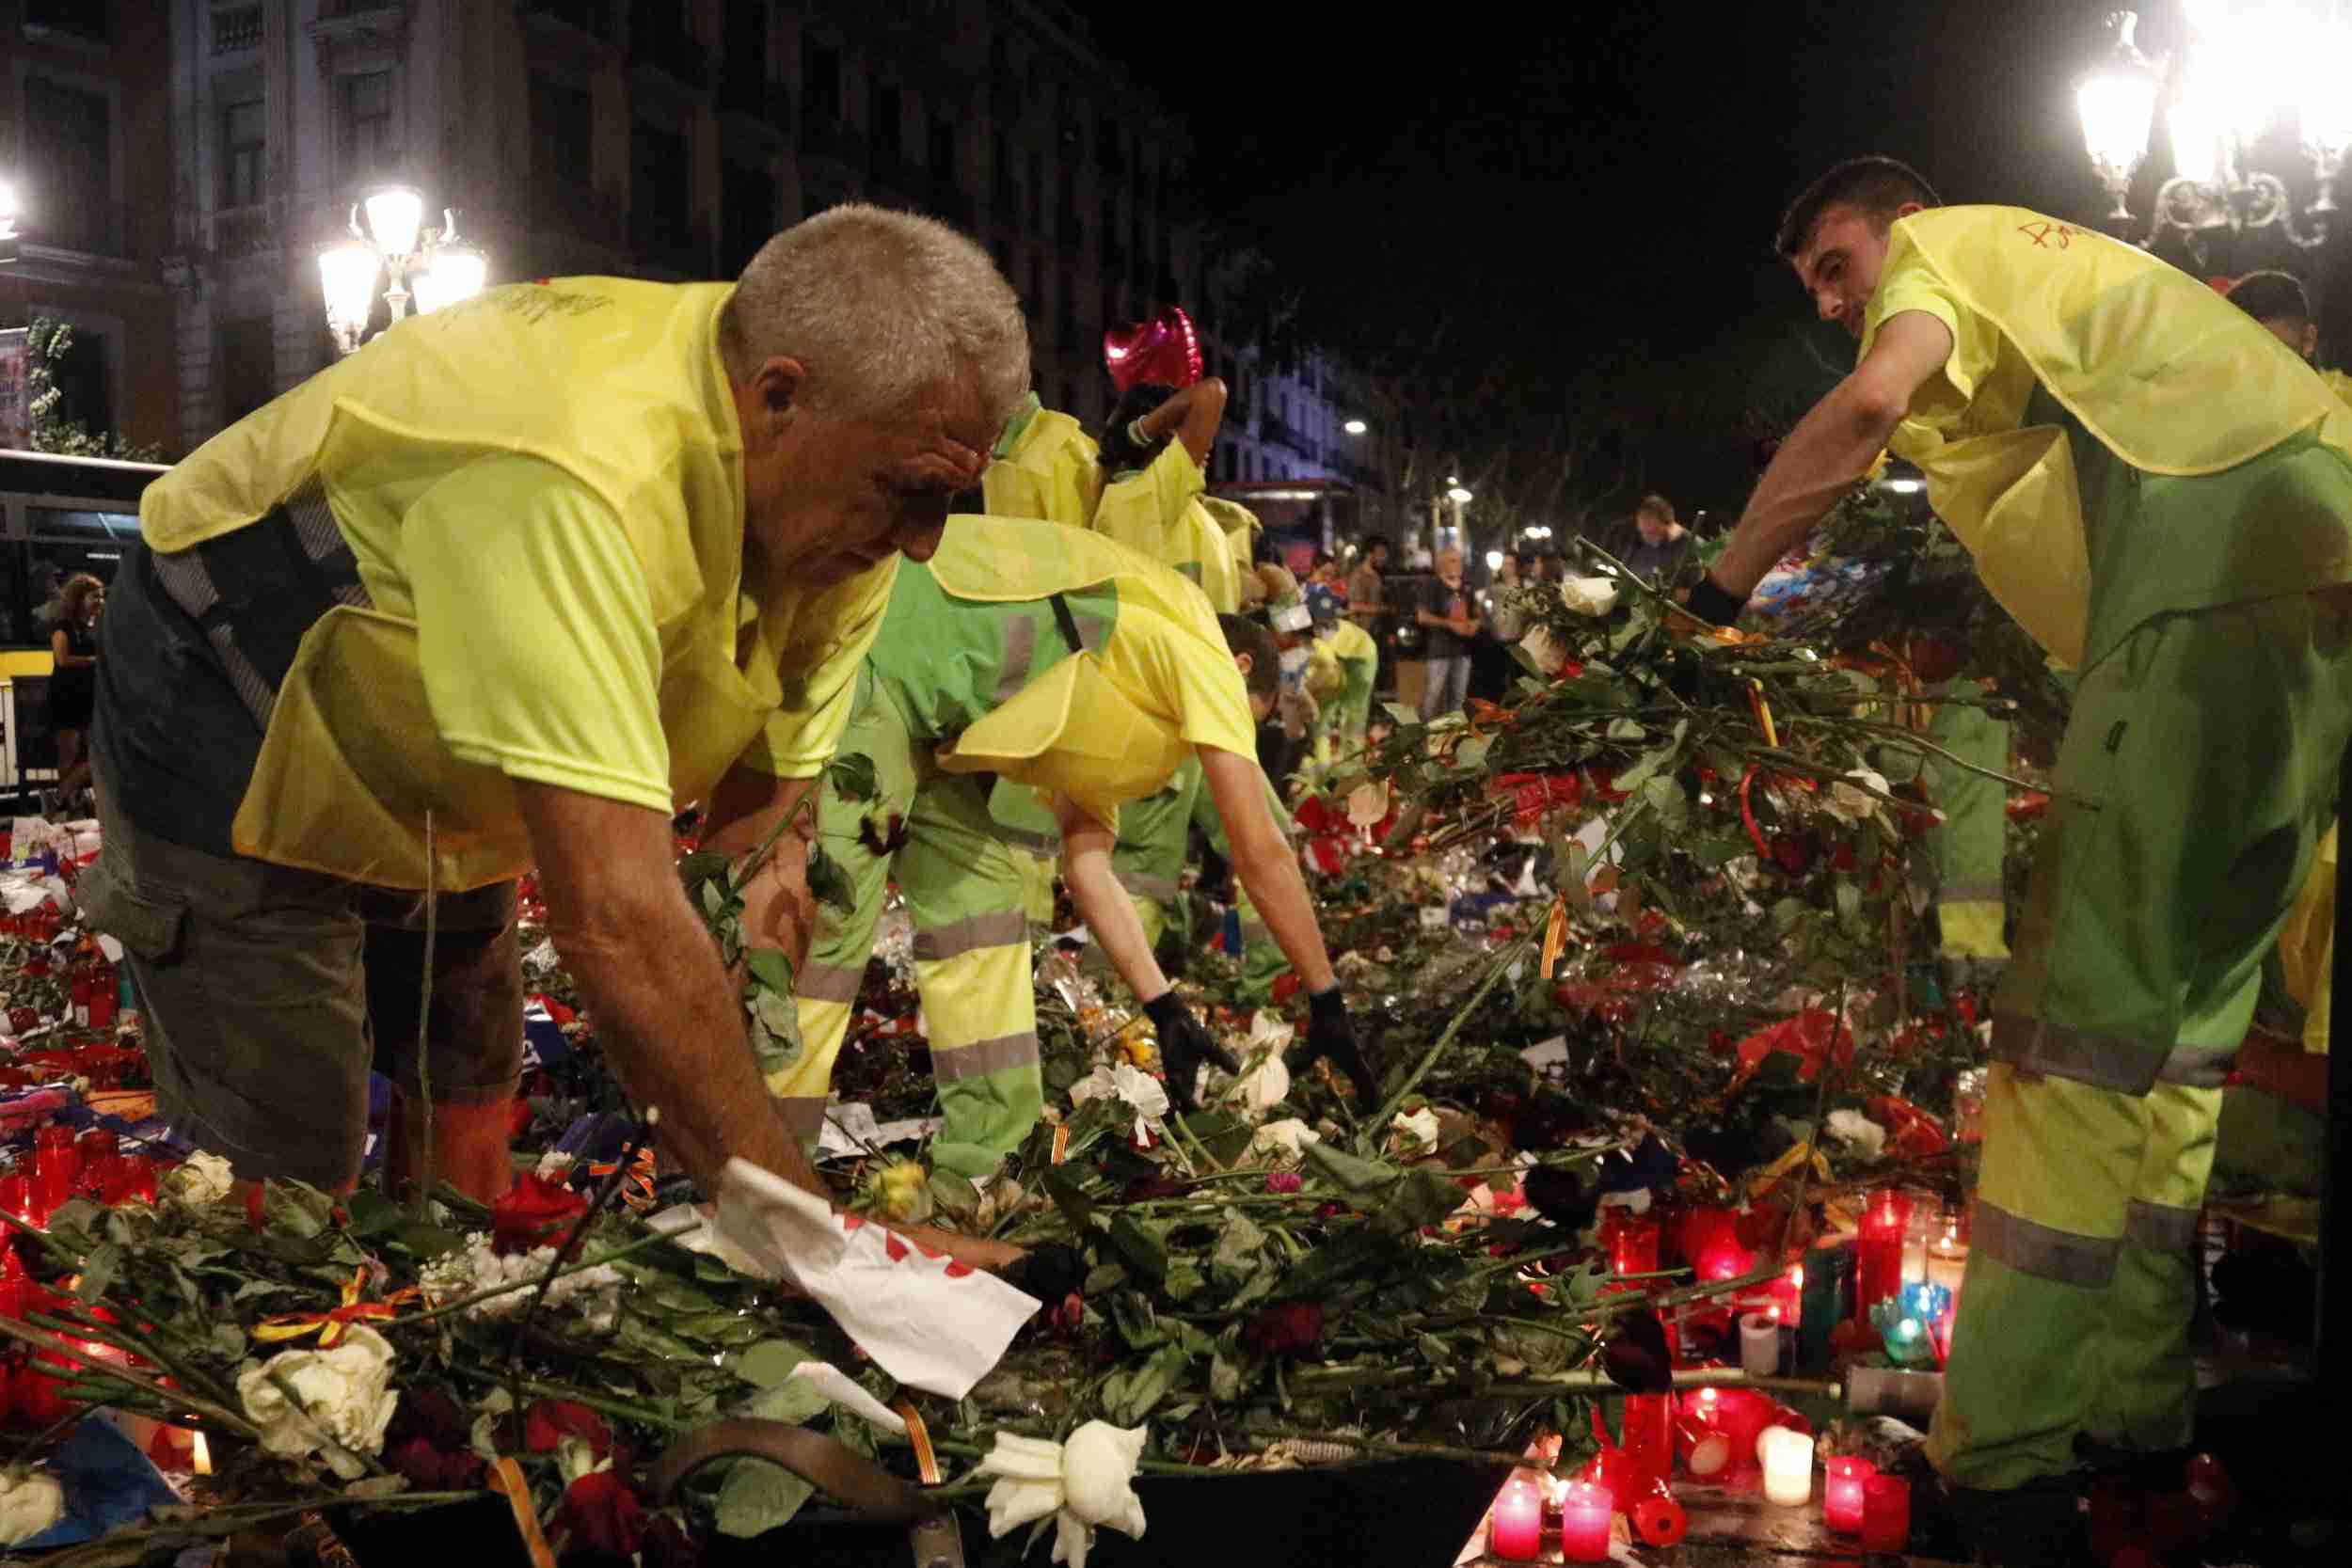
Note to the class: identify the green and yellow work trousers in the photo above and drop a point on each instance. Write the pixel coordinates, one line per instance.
(2192, 788)
(932, 830)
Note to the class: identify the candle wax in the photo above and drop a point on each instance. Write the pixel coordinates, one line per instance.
(1788, 1466)
(1584, 1516)
(1515, 1532)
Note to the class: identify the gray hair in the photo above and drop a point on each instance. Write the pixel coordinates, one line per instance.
(878, 307)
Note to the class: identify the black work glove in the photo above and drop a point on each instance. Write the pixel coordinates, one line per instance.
(1330, 1033)
(1183, 1045)
(1711, 601)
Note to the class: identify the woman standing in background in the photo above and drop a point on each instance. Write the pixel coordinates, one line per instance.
(74, 684)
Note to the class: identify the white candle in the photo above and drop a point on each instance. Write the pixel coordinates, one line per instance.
(1759, 1344)
(1948, 1259)
(1787, 1467)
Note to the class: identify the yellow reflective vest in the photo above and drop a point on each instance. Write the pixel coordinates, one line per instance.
(619, 385)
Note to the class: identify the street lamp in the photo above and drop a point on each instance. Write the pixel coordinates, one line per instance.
(443, 268)
(1459, 495)
(2246, 64)
(8, 221)
(1355, 427)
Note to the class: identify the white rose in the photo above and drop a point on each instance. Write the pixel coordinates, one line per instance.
(30, 1502)
(1589, 596)
(1849, 804)
(1263, 1086)
(1546, 652)
(1368, 803)
(1028, 1486)
(200, 1180)
(1418, 1132)
(345, 1394)
(1098, 1085)
(554, 1166)
(1287, 1139)
(1098, 1472)
(1267, 1032)
(1138, 1088)
(1866, 1137)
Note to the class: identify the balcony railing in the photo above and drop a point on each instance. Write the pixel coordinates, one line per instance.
(91, 225)
(235, 30)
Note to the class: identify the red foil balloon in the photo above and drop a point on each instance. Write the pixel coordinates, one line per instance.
(1162, 352)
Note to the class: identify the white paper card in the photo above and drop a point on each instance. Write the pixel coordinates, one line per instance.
(849, 1130)
(924, 1320)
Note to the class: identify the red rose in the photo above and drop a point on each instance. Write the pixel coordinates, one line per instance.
(1792, 854)
(667, 1544)
(432, 1469)
(1293, 1326)
(601, 1513)
(23, 1020)
(534, 1214)
(550, 1421)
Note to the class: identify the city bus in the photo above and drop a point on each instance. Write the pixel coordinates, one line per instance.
(58, 516)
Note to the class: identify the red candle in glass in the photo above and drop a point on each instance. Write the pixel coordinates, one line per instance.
(20, 1197)
(1842, 1493)
(54, 1170)
(16, 1298)
(1632, 1240)
(1878, 1251)
(1885, 1513)
(1586, 1509)
(98, 1144)
(1514, 1531)
(1648, 1439)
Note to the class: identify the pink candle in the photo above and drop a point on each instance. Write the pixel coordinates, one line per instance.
(1885, 1513)
(1515, 1532)
(1632, 1240)
(1584, 1513)
(1878, 1251)
(1842, 1493)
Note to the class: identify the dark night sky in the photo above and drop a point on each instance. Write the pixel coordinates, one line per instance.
(1611, 179)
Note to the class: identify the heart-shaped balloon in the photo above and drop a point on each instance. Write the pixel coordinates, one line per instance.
(1162, 352)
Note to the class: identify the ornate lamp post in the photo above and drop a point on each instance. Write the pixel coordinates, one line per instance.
(2244, 67)
(443, 268)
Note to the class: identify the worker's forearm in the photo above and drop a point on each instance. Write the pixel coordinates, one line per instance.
(1831, 448)
(1275, 886)
(1110, 915)
(672, 1029)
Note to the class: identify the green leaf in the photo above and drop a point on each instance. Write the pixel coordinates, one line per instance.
(1063, 1187)
(1129, 1396)
(770, 968)
(1237, 1243)
(1349, 1171)
(1144, 1251)
(373, 1214)
(1423, 1198)
(1626, 729)
(1402, 713)
(713, 900)
(1224, 1134)
(955, 1193)
(99, 1270)
(775, 1010)
(1471, 754)
(1664, 796)
(793, 1400)
(758, 1497)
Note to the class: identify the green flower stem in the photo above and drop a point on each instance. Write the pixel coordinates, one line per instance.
(1495, 970)
(181, 1398)
(979, 1450)
(1388, 1447)
(625, 1411)
(126, 1336)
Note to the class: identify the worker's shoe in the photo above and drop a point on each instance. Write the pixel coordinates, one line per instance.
(2038, 1525)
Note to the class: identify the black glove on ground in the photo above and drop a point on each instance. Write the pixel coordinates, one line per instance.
(1183, 1045)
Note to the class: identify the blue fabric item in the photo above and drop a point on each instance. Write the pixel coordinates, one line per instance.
(544, 1042)
(108, 1482)
(1649, 1164)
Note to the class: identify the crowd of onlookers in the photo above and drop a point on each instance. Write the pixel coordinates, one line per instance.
(1443, 641)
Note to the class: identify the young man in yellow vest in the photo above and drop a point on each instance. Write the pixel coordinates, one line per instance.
(503, 590)
(2160, 492)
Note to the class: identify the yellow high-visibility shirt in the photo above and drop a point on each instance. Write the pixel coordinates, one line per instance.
(2165, 373)
(1112, 723)
(1157, 512)
(543, 489)
(1044, 466)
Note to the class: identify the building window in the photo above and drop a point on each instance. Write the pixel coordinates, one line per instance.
(365, 100)
(247, 358)
(69, 151)
(84, 378)
(243, 149)
(82, 19)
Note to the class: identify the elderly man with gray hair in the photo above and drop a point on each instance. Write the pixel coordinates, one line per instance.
(503, 589)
